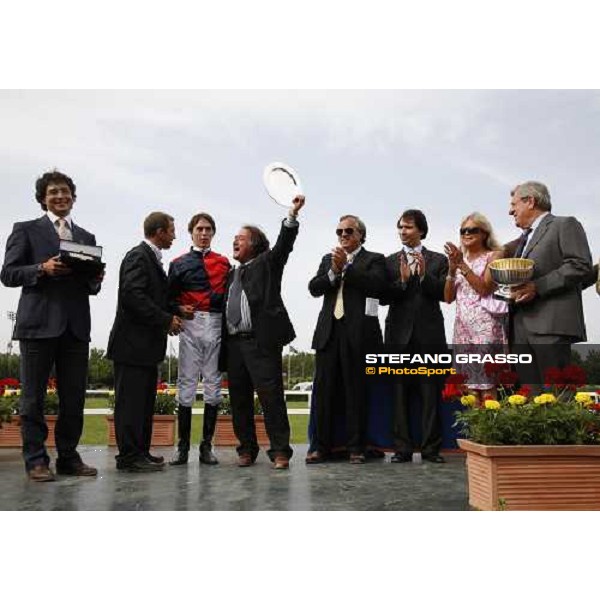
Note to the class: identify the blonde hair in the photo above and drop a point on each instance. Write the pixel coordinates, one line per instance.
(490, 242)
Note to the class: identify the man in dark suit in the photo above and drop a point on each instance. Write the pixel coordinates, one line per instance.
(138, 342)
(350, 279)
(256, 328)
(417, 277)
(547, 316)
(52, 326)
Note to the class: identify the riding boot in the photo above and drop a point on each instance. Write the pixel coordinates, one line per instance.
(184, 426)
(207, 456)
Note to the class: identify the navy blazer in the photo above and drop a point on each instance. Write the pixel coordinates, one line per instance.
(48, 305)
(139, 333)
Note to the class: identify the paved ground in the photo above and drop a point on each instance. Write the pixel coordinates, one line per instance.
(378, 485)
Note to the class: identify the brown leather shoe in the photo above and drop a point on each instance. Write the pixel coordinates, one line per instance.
(79, 469)
(41, 473)
(314, 458)
(281, 462)
(245, 460)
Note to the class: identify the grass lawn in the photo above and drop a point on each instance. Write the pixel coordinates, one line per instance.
(95, 432)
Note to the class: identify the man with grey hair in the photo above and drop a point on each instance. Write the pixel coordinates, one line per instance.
(350, 279)
(547, 314)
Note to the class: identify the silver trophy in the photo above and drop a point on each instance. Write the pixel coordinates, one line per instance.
(509, 273)
(282, 183)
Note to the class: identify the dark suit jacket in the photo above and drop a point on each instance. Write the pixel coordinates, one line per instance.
(48, 305)
(139, 333)
(563, 266)
(261, 282)
(415, 306)
(364, 278)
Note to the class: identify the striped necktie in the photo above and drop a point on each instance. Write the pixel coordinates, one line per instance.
(523, 242)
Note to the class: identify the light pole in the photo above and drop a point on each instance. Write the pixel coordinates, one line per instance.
(170, 356)
(12, 317)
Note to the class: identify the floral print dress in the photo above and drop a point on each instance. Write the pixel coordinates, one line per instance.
(476, 330)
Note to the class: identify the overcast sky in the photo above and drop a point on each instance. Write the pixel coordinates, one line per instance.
(369, 153)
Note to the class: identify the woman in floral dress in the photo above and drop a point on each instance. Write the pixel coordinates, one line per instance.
(480, 326)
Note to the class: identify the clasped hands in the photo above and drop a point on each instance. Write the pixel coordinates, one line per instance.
(456, 259)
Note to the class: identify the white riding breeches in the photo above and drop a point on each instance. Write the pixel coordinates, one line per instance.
(199, 345)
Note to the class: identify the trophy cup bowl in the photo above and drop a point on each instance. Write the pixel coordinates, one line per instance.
(510, 272)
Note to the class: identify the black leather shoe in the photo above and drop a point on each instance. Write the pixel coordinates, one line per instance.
(401, 457)
(434, 458)
(179, 458)
(157, 460)
(140, 466)
(207, 456)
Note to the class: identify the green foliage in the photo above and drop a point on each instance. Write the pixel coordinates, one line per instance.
(6, 410)
(51, 403)
(563, 422)
(166, 403)
(225, 406)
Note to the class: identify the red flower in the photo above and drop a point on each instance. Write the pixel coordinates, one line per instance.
(10, 382)
(574, 376)
(524, 390)
(161, 386)
(595, 406)
(492, 369)
(507, 378)
(454, 386)
(552, 376)
(51, 383)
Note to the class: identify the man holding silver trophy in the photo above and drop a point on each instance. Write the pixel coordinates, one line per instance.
(257, 325)
(546, 314)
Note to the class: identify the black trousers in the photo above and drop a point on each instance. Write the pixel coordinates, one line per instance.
(430, 393)
(340, 390)
(248, 369)
(135, 396)
(546, 351)
(69, 355)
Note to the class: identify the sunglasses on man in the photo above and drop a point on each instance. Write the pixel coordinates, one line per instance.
(470, 230)
(346, 230)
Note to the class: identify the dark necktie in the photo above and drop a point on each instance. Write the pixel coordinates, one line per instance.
(234, 304)
(522, 242)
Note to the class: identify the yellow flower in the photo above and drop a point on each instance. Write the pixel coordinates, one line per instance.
(583, 398)
(545, 399)
(171, 392)
(517, 399)
(111, 393)
(468, 400)
(492, 404)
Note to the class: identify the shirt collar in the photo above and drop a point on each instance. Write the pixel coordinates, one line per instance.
(537, 221)
(350, 256)
(408, 250)
(203, 251)
(54, 217)
(155, 249)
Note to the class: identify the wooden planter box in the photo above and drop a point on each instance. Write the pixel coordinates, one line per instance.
(10, 433)
(224, 435)
(533, 477)
(163, 430)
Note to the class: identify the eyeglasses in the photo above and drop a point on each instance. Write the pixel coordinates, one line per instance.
(470, 230)
(347, 231)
